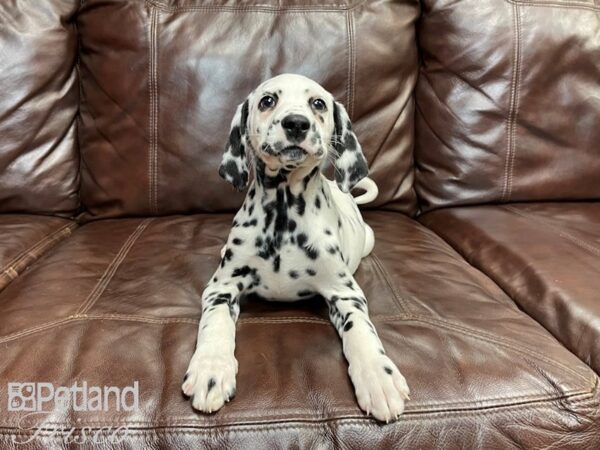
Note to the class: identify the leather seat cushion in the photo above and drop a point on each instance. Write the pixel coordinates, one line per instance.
(545, 256)
(482, 373)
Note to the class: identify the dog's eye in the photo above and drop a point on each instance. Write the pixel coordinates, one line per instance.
(267, 102)
(319, 104)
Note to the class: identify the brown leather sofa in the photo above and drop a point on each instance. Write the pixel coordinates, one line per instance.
(481, 123)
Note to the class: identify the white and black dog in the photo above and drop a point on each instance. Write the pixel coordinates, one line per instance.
(297, 235)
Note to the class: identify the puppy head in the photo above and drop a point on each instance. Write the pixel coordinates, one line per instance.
(290, 122)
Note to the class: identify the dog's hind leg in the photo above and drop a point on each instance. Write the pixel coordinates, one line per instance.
(369, 241)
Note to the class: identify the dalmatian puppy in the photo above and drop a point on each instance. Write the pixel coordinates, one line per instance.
(297, 235)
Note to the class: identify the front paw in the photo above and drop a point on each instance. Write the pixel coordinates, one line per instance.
(380, 387)
(210, 381)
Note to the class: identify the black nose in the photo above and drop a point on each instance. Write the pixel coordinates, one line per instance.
(296, 127)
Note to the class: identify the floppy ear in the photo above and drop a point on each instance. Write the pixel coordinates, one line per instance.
(350, 163)
(234, 165)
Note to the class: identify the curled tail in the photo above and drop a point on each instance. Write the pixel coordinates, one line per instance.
(370, 193)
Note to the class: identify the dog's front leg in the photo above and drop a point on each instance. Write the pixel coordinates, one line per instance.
(379, 386)
(210, 378)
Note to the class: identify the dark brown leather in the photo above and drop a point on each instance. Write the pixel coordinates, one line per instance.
(482, 373)
(545, 256)
(507, 101)
(161, 80)
(39, 163)
(24, 238)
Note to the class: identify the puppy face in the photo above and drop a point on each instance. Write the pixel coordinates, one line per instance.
(291, 122)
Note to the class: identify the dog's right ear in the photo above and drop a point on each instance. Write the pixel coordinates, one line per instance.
(234, 165)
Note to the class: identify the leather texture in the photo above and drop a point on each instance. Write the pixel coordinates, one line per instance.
(161, 80)
(508, 102)
(483, 374)
(546, 256)
(39, 161)
(24, 238)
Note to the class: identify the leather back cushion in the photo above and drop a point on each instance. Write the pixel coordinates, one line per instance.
(39, 163)
(508, 101)
(161, 80)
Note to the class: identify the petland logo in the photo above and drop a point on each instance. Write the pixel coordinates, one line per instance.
(45, 397)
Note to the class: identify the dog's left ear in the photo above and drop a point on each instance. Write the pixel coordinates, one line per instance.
(234, 165)
(350, 163)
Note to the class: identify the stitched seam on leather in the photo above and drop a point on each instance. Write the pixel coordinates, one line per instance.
(399, 300)
(257, 8)
(155, 59)
(39, 246)
(132, 318)
(512, 113)
(556, 4)
(112, 268)
(474, 333)
(38, 328)
(318, 421)
(9, 273)
(153, 121)
(150, 320)
(580, 243)
(351, 63)
(517, 103)
(478, 334)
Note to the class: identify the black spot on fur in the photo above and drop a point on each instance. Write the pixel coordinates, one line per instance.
(302, 239)
(317, 202)
(296, 201)
(311, 272)
(250, 223)
(311, 253)
(219, 301)
(388, 370)
(293, 274)
(310, 176)
(237, 241)
(242, 271)
(281, 221)
(305, 293)
(327, 231)
(348, 326)
(331, 250)
(211, 384)
(276, 263)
